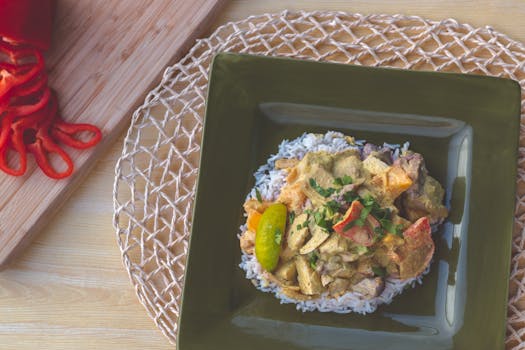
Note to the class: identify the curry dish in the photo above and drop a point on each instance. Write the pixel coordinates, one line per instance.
(345, 222)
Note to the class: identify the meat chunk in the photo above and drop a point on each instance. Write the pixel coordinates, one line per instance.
(414, 165)
(370, 287)
(415, 255)
(318, 237)
(321, 179)
(292, 195)
(287, 273)
(348, 163)
(338, 287)
(375, 166)
(425, 196)
(334, 245)
(247, 242)
(286, 163)
(297, 232)
(382, 153)
(426, 202)
(309, 280)
(254, 204)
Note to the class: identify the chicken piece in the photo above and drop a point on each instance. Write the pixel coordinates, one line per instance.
(326, 279)
(321, 159)
(415, 255)
(322, 178)
(375, 166)
(292, 196)
(334, 245)
(349, 257)
(364, 267)
(287, 253)
(370, 287)
(254, 204)
(318, 237)
(348, 163)
(309, 280)
(382, 153)
(345, 271)
(247, 242)
(287, 273)
(338, 287)
(297, 232)
(294, 293)
(427, 201)
(286, 163)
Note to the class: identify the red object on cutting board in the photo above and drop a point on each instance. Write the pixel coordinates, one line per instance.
(28, 108)
(106, 56)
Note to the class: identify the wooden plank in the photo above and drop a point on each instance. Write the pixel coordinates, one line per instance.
(106, 55)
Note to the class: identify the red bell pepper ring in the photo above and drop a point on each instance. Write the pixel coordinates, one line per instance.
(43, 147)
(30, 123)
(27, 21)
(65, 132)
(13, 132)
(14, 75)
(22, 159)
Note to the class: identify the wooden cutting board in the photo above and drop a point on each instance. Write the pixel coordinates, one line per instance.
(106, 55)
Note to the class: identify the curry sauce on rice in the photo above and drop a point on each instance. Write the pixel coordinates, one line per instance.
(338, 225)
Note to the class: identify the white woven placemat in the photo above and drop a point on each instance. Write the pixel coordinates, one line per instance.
(155, 176)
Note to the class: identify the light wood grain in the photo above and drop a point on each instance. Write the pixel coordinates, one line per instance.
(69, 289)
(106, 55)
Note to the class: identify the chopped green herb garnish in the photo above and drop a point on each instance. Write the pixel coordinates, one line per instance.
(379, 231)
(321, 220)
(278, 236)
(360, 249)
(313, 260)
(291, 217)
(368, 201)
(298, 227)
(342, 181)
(258, 195)
(333, 206)
(325, 192)
(379, 271)
(350, 196)
(389, 226)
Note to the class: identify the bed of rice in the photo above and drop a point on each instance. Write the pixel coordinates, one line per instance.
(269, 183)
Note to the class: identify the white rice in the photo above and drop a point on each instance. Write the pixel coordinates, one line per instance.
(269, 183)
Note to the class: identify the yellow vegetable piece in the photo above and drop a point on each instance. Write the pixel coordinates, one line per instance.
(396, 181)
(253, 220)
(270, 233)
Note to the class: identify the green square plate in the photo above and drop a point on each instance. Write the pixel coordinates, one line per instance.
(467, 129)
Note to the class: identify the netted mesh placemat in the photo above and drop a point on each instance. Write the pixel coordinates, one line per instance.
(155, 176)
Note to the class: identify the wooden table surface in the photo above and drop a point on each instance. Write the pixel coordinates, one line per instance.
(69, 290)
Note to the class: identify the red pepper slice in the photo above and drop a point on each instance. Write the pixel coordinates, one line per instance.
(65, 133)
(28, 109)
(362, 235)
(42, 148)
(22, 159)
(15, 75)
(27, 21)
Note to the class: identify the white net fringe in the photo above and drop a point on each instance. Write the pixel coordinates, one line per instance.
(155, 176)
